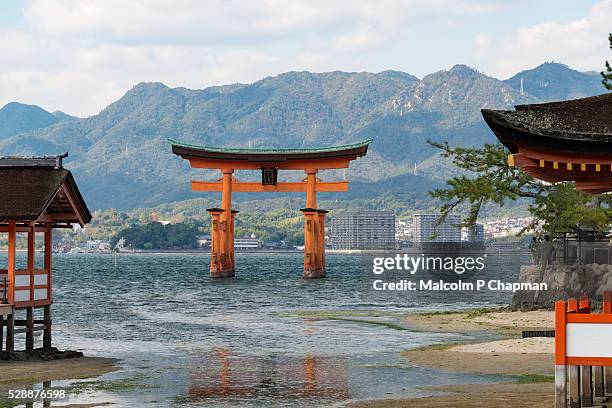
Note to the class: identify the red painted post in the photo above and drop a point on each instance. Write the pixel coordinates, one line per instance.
(607, 371)
(584, 306)
(12, 236)
(560, 355)
(31, 250)
(216, 266)
(227, 242)
(47, 260)
(321, 219)
(607, 302)
(310, 250)
(572, 305)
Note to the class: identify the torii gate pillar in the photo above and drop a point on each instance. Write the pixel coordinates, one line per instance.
(222, 232)
(314, 230)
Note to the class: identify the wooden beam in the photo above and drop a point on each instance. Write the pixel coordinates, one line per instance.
(12, 236)
(24, 322)
(598, 389)
(574, 386)
(29, 326)
(560, 386)
(594, 185)
(608, 380)
(576, 158)
(283, 187)
(291, 164)
(58, 217)
(73, 204)
(20, 228)
(10, 332)
(47, 259)
(47, 325)
(31, 255)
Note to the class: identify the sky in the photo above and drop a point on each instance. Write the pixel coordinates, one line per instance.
(78, 56)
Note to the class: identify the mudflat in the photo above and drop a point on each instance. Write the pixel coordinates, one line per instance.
(528, 363)
(507, 323)
(474, 396)
(31, 372)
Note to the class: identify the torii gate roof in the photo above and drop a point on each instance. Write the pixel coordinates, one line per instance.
(244, 158)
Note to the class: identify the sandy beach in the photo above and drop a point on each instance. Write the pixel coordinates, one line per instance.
(504, 323)
(528, 363)
(31, 372)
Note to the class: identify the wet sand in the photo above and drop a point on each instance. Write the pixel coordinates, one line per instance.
(32, 372)
(510, 356)
(472, 395)
(530, 360)
(486, 362)
(505, 323)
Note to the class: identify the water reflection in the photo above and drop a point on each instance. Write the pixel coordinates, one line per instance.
(221, 374)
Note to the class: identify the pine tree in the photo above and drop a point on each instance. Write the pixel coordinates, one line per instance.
(607, 74)
(487, 179)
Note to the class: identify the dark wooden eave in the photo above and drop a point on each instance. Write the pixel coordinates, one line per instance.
(579, 126)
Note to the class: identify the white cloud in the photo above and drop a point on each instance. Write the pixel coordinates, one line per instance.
(81, 55)
(581, 44)
(214, 21)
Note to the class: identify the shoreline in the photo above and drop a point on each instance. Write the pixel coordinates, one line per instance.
(359, 253)
(526, 366)
(15, 373)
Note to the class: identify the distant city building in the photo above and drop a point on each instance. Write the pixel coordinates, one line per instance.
(247, 243)
(203, 241)
(363, 230)
(509, 226)
(476, 233)
(426, 228)
(404, 229)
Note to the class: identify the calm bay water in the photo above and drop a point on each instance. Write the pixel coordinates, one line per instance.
(256, 340)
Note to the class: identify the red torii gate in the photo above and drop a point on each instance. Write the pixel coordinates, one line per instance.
(269, 161)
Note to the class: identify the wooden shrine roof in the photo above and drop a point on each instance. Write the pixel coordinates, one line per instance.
(40, 189)
(574, 126)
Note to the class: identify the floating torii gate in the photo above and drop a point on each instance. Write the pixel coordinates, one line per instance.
(269, 161)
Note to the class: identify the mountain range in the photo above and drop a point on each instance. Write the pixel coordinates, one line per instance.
(122, 159)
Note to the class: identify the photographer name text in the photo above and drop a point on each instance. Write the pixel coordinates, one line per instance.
(460, 286)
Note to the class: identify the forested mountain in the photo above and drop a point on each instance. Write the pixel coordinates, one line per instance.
(552, 81)
(121, 157)
(17, 118)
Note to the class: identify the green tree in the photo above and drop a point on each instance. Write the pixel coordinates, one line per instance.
(155, 235)
(489, 179)
(607, 74)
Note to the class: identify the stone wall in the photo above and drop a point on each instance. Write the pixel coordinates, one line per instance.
(564, 281)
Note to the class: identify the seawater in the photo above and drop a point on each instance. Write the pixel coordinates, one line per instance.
(264, 338)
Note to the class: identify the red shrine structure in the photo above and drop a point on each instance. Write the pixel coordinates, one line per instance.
(38, 195)
(569, 141)
(560, 141)
(269, 161)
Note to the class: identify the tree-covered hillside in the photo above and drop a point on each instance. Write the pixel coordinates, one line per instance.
(121, 157)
